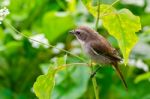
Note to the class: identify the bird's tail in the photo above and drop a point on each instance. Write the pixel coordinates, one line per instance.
(120, 75)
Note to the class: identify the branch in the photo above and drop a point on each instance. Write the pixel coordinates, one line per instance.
(95, 86)
(49, 45)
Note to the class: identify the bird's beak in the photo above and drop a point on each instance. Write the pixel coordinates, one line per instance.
(72, 32)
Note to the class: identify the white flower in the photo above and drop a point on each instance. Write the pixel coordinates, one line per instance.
(75, 47)
(75, 43)
(76, 51)
(147, 9)
(139, 64)
(58, 46)
(54, 59)
(135, 2)
(3, 13)
(40, 38)
(142, 65)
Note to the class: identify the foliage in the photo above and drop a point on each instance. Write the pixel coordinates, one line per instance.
(57, 19)
(124, 20)
(23, 62)
(45, 83)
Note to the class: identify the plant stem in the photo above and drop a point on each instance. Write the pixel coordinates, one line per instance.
(49, 45)
(96, 91)
(95, 87)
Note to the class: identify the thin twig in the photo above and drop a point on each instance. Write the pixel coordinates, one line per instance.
(95, 86)
(44, 43)
(61, 67)
(94, 82)
(76, 64)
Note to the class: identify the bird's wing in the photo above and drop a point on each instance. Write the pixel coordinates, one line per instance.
(102, 47)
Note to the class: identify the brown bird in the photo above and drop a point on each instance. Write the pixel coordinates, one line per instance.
(98, 48)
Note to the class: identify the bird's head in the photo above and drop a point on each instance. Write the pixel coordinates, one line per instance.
(84, 33)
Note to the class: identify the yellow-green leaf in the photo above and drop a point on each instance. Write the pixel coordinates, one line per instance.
(121, 24)
(44, 84)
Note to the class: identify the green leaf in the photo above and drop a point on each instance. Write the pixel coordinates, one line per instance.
(56, 23)
(5, 93)
(44, 84)
(12, 47)
(141, 77)
(121, 24)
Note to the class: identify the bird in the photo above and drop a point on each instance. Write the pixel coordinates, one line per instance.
(98, 49)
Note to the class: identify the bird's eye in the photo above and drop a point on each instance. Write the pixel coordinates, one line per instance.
(77, 32)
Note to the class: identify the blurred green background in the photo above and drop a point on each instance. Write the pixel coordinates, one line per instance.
(48, 21)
